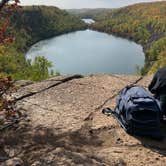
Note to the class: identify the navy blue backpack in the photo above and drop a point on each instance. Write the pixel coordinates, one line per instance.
(138, 112)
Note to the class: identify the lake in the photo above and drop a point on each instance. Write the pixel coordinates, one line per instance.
(88, 20)
(90, 52)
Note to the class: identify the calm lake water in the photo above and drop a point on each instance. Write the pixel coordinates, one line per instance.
(90, 52)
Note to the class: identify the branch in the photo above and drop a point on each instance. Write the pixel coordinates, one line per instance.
(2, 3)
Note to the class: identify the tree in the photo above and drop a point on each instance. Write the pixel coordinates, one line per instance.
(40, 68)
(7, 110)
(6, 10)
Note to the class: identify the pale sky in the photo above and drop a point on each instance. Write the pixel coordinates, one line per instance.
(68, 4)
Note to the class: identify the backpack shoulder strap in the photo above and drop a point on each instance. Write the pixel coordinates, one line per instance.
(107, 111)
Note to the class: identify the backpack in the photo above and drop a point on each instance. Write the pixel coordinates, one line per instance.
(138, 112)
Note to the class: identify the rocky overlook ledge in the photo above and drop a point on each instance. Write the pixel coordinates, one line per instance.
(65, 125)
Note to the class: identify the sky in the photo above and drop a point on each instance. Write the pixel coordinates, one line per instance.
(69, 4)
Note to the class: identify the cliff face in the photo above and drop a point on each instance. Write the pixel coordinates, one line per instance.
(65, 125)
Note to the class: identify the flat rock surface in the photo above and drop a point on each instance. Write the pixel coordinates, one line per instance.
(65, 125)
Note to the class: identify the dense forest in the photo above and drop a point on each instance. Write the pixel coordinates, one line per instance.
(29, 25)
(87, 12)
(144, 23)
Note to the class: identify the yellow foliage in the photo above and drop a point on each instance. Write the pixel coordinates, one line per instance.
(161, 62)
(2, 49)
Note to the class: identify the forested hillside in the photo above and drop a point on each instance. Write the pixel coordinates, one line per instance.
(29, 25)
(87, 13)
(34, 23)
(144, 23)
